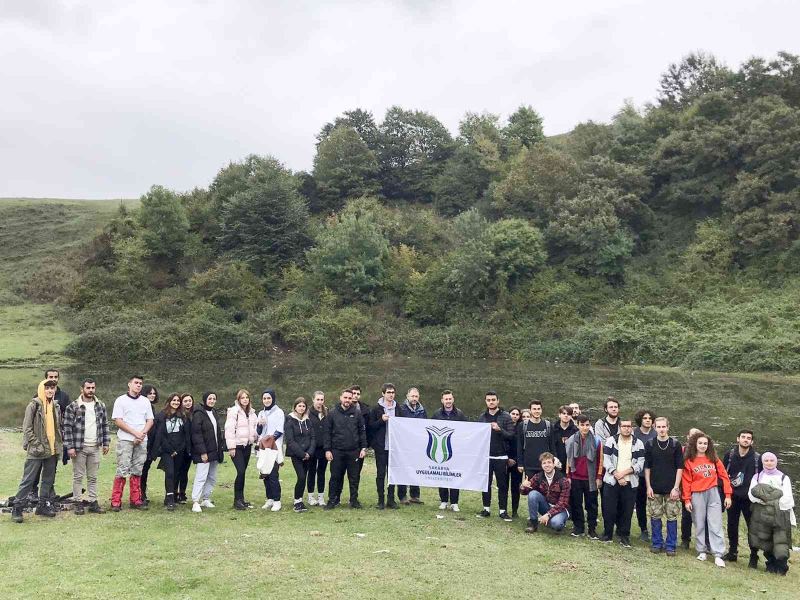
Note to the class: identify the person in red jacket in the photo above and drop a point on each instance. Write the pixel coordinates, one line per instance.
(702, 472)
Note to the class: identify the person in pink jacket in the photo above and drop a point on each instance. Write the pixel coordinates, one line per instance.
(240, 434)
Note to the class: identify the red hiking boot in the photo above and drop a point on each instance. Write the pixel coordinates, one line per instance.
(136, 493)
(116, 493)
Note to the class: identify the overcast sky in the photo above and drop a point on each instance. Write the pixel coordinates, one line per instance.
(104, 99)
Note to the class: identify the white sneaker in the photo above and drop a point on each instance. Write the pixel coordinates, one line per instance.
(454, 508)
(312, 501)
(196, 507)
(443, 506)
(267, 505)
(719, 562)
(321, 499)
(276, 506)
(701, 556)
(207, 503)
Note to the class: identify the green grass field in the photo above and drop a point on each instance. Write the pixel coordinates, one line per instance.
(409, 553)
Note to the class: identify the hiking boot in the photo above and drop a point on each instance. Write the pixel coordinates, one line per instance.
(355, 504)
(505, 516)
(625, 542)
(44, 509)
(16, 513)
(533, 526)
(95, 508)
(79, 509)
(483, 514)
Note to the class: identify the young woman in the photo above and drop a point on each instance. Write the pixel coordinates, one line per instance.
(702, 471)
(773, 515)
(318, 463)
(300, 446)
(514, 476)
(240, 434)
(270, 423)
(171, 438)
(151, 393)
(187, 405)
(208, 451)
(526, 415)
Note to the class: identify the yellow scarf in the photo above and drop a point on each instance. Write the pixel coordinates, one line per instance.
(49, 417)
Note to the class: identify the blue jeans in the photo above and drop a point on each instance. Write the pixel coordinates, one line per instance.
(538, 505)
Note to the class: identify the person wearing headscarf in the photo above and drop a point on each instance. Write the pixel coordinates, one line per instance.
(773, 515)
(271, 422)
(208, 451)
(41, 439)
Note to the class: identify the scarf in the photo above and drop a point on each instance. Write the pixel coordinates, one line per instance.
(766, 471)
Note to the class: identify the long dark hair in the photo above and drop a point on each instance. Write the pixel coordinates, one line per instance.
(168, 410)
(146, 389)
(691, 447)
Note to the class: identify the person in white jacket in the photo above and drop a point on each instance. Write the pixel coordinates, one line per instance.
(240, 434)
(270, 422)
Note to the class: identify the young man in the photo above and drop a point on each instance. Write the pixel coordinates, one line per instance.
(576, 410)
(448, 412)
(378, 428)
(133, 415)
(411, 409)
(663, 466)
(533, 438)
(623, 460)
(564, 429)
(363, 409)
(62, 400)
(86, 434)
(584, 468)
(643, 432)
(548, 497)
(742, 462)
(41, 439)
(345, 441)
(502, 435)
(608, 426)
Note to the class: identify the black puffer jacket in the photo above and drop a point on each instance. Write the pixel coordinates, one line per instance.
(453, 415)
(167, 443)
(203, 441)
(500, 440)
(300, 438)
(316, 426)
(344, 429)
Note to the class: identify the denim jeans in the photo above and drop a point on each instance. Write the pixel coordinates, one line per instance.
(538, 505)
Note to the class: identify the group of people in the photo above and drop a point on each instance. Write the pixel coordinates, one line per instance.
(566, 468)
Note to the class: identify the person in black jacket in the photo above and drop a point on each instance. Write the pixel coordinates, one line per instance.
(448, 412)
(410, 409)
(171, 437)
(562, 430)
(378, 427)
(208, 451)
(187, 404)
(742, 463)
(345, 441)
(318, 463)
(502, 436)
(300, 446)
(532, 439)
(151, 393)
(514, 474)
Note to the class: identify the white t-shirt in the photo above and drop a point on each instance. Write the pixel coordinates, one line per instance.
(134, 412)
(90, 423)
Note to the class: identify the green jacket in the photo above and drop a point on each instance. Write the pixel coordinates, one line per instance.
(770, 527)
(34, 432)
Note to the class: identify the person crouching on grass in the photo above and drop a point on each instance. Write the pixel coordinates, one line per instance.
(702, 471)
(548, 496)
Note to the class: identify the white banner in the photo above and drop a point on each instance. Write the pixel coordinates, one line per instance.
(447, 454)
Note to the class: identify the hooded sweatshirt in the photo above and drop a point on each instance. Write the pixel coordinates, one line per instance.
(700, 474)
(300, 436)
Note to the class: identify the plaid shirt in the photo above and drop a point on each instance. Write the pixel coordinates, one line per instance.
(75, 425)
(556, 493)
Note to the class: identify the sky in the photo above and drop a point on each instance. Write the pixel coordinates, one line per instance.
(105, 99)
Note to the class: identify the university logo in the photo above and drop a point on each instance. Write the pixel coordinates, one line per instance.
(439, 450)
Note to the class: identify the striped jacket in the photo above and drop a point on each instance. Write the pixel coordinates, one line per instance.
(75, 425)
(611, 454)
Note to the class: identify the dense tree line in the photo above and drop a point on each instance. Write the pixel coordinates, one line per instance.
(496, 230)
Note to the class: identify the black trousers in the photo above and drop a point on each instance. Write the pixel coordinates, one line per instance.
(301, 470)
(316, 470)
(740, 507)
(402, 491)
(344, 461)
(272, 485)
(183, 475)
(145, 474)
(499, 468)
(240, 461)
(448, 495)
(579, 496)
(382, 466)
(172, 465)
(514, 481)
(641, 505)
(618, 502)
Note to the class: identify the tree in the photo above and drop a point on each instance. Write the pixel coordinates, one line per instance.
(361, 121)
(466, 177)
(697, 74)
(475, 126)
(266, 224)
(344, 167)
(517, 252)
(351, 255)
(525, 125)
(163, 224)
(414, 146)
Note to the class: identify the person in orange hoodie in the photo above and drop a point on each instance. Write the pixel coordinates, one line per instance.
(702, 472)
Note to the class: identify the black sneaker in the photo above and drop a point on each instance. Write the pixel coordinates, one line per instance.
(380, 505)
(606, 539)
(577, 533)
(16, 514)
(392, 504)
(625, 542)
(79, 508)
(483, 514)
(753, 562)
(95, 508)
(505, 516)
(355, 504)
(300, 507)
(329, 506)
(685, 544)
(593, 535)
(731, 557)
(644, 536)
